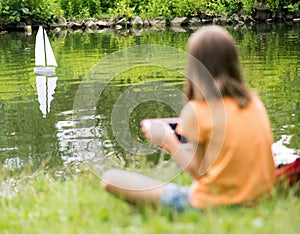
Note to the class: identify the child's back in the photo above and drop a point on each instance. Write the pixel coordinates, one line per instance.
(244, 167)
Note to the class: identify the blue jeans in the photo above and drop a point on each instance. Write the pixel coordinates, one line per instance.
(176, 198)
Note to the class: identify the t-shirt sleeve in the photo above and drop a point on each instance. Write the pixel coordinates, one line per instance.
(194, 122)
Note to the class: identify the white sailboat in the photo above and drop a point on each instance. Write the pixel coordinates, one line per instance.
(44, 57)
(45, 89)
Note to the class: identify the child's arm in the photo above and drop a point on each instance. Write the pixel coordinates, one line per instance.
(186, 155)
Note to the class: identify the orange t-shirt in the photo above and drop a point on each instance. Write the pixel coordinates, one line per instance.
(237, 151)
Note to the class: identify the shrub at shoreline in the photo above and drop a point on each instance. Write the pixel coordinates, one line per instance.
(15, 15)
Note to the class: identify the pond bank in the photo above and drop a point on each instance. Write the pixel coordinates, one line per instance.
(79, 205)
(261, 15)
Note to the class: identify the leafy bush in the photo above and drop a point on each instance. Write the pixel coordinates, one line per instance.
(78, 8)
(157, 8)
(189, 8)
(95, 8)
(215, 7)
(232, 6)
(289, 5)
(292, 7)
(123, 8)
(39, 10)
(248, 5)
(46, 10)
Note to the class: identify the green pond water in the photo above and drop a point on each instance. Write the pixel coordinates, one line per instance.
(101, 91)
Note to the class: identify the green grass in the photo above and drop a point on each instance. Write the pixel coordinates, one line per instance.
(79, 205)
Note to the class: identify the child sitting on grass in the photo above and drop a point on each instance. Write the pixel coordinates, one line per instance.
(230, 158)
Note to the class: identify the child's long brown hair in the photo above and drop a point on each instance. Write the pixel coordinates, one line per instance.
(214, 48)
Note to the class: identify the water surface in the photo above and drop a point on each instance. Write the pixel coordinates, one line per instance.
(271, 64)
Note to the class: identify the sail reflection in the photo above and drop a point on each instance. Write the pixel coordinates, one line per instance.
(45, 67)
(45, 89)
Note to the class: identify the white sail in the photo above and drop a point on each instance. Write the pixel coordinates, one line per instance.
(49, 52)
(41, 85)
(40, 48)
(51, 85)
(44, 57)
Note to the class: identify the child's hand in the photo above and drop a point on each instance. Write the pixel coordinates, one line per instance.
(158, 132)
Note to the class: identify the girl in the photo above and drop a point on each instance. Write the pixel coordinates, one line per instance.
(230, 158)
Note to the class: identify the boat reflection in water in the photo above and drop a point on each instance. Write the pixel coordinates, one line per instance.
(45, 89)
(45, 69)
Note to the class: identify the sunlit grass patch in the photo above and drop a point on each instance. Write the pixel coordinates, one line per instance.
(78, 204)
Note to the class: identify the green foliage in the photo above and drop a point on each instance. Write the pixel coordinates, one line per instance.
(158, 8)
(273, 4)
(292, 7)
(180, 8)
(232, 6)
(46, 10)
(124, 8)
(80, 9)
(288, 5)
(188, 7)
(215, 7)
(249, 5)
(39, 10)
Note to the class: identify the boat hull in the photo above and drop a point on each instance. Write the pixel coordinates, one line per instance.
(44, 70)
